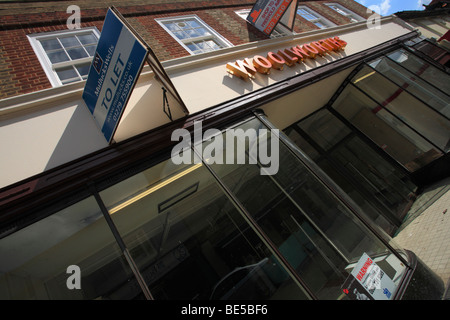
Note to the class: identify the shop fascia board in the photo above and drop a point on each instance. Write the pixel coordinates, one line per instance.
(49, 98)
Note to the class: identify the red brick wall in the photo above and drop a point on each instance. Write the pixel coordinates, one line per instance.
(21, 72)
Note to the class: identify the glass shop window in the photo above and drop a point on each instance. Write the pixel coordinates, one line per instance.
(405, 106)
(355, 160)
(34, 261)
(189, 240)
(422, 69)
(319, 236)
(385, 130)
(432, 96)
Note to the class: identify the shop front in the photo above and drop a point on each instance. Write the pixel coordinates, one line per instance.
(275, 193)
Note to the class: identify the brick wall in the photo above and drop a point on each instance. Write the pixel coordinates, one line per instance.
(21, 72)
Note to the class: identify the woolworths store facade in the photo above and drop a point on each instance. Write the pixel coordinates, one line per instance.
(360, 124)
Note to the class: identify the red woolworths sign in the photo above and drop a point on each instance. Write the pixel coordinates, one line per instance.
(247, 68)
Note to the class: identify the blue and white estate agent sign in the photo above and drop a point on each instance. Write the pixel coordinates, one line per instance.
(115, 68)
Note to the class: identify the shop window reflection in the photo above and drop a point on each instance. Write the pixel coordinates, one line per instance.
(424, 91)
(405, 106)
(421, 68)
(34, 260)
(390, 134)
(381, 190)
(198, 247)
(317, 234)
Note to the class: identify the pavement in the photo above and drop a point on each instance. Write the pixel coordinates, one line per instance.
(426, 230)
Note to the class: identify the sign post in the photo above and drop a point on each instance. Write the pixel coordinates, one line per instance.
(266, 14)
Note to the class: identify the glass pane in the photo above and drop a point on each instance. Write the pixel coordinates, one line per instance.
(399, 141)
(302, 144)
(34, 260)
(202, 32)
(194, 24)
(212, 44)
(86, 39)
(380, 179)
(57, 56)
(51, 44)
(172, 26)
(192, 33)
(423, 69)
(365, 169)
(419, 116)
(373, 211)
(77, 53)
(324, 129)
(91, 50)
(180, 35)
(320, 25)
(68, 42)
(306, 14)
(193, 47)
(83, 69)
(67, 73)
(182, 25)
(204, 46)
(189, 241)
(318, 235)
(415, 85)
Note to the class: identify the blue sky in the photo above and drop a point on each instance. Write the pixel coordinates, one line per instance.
(388, 7)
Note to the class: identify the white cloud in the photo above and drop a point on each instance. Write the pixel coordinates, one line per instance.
(420, 4)
(385, 6)
(382, 8)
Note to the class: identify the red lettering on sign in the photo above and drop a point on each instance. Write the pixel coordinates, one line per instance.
(289, 56)
(288, 59)
(262, 65)
(276, 60)
(299, 52)
(364, 268)
(312, 52)
(255, 15)
(242, 69)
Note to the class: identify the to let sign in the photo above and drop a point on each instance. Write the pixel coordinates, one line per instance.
(266, 14)
(115, 68)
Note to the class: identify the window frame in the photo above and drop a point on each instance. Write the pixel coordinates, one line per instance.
(343, 11)
(49, 67)
(319, 18)
(224, 43)
(279, 30)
